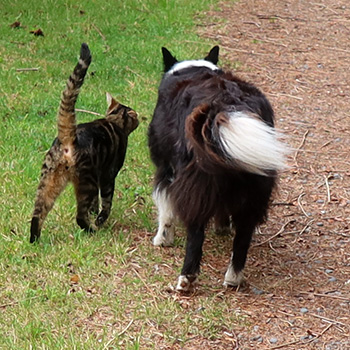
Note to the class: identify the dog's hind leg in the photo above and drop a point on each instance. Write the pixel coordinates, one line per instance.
(241, 243)
(166, 229)
(190, 270)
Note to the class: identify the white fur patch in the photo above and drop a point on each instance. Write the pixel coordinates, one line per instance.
(252, 142)
(68, 154)
(82, 63)
(166, 228)
(184, 285)
(192, 63)
(231, 278)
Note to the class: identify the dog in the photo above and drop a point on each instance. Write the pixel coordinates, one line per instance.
(217, 155)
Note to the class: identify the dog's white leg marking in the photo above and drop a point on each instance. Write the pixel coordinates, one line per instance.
(186, 283)
(166, 229)
(232, 278)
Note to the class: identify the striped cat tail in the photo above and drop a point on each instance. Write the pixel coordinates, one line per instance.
(66, 114)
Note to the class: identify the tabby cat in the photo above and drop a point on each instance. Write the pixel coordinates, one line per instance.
(89, 155)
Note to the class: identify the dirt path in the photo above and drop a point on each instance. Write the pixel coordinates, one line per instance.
(298, 53)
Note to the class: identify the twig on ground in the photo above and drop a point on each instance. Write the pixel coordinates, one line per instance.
(90, 112)
(328, 190)
(305, 227)
(256, 24)
(133, 72)
(271, 41)
(285, 95)
(2, 306)
(235, 338)
(300, 205)
(276, 234)
(109, 342)
(125, 329)
(325, 144)
(27, 69)
(285, 344)
(243, 51)
(326, 296)
(272, 248)
(324, 7)
(335, 48)
(323, 332)
(299, 340)
(147, 287)
(301, 145)
(328, 320)
(99, 32)
(269, 17)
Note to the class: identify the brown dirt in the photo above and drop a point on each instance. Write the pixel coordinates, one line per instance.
(298, 269)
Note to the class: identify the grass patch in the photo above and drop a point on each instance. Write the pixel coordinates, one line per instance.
(107, 290)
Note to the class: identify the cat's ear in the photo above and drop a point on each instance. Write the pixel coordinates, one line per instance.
(132, 114)
(133, 121)
(111, 102)
(213, 55)
(110, 99)
(168, 59)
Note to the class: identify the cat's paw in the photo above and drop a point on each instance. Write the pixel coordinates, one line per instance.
(101, 219)
(86, 226)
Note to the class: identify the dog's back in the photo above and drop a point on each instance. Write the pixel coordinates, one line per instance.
(217, 155)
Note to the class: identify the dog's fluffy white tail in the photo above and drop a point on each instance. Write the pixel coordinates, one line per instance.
(251, 142)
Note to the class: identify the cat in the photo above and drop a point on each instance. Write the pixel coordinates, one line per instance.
(89, 155)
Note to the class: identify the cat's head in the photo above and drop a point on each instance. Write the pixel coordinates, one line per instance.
(125, 117)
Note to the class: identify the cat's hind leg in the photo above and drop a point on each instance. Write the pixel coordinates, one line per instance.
(86, 192)
(52, 183)
(95, 205)
(107, 191)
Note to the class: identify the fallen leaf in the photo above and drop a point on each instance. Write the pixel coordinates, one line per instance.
(16, 24)
(37, 32)
(74, 279)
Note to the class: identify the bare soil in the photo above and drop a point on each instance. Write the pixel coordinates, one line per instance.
(298, 271)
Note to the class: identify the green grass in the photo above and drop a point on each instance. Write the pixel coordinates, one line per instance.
(107, 290)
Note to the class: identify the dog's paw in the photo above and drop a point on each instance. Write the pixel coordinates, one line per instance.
(233, 279)
(186, 283)
(164, 237)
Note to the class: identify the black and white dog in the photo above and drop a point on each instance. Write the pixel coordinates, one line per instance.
(217, 154)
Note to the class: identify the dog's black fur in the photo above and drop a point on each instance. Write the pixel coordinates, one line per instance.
(194, 177)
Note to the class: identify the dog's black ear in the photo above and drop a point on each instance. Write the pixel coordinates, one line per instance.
(168, 59)
(213, 55)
